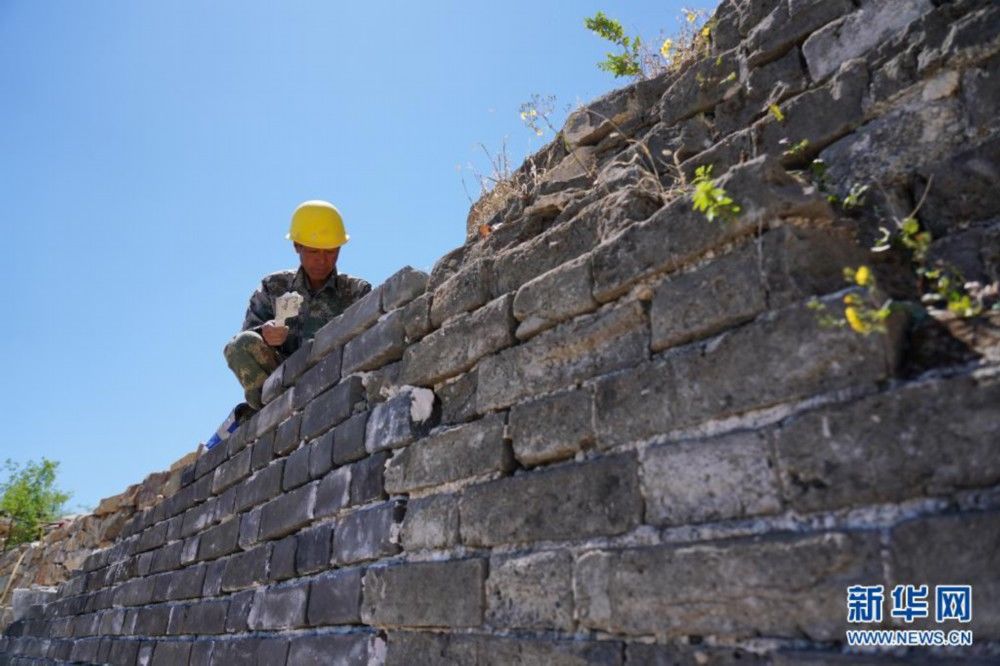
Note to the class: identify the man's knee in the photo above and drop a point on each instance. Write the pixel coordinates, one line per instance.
(245, 343)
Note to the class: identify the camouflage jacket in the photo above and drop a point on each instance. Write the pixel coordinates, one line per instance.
(318, 307)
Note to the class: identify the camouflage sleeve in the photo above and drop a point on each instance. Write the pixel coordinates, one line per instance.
(260, 310)
(359, 288)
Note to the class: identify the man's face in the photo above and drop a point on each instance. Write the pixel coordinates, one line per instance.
(318, 264)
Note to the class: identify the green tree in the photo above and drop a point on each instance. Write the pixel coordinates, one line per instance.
(30, 499)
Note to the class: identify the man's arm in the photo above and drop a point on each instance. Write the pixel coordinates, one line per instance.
(259, 312)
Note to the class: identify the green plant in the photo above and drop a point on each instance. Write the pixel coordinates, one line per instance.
(797, 149)
(710, 199)
(30, 499)
(776, 111)
(856, 196)
(627, 62)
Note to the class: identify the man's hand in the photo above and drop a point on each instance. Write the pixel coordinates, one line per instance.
(274, 334)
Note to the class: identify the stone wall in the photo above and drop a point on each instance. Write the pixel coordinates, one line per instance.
(609, 431)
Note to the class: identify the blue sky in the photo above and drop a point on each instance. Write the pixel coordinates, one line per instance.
(151, 154)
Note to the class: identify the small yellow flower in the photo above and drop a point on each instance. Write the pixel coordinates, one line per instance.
(706, 32)
(668, 44)
(690, 15)
(524, 116)
(854, 319)
(863, 276)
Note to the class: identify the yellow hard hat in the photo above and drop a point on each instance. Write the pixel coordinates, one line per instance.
(317, 224)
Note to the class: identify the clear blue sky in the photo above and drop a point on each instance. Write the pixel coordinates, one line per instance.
(152, 152)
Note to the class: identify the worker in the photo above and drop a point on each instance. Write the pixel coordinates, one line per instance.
(317, 233)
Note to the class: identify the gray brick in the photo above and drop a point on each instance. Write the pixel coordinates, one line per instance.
(211, 459)
(205, 617)
(430, 522)
(279, 607)
(189, 551)
(773, 586)
(258, 651)
(558, 245)
(275, 412)
(171, 654)
(425, 594)
(232, 471)
(214, 571)
(288, 436)
(333, 492)
(152, 620)
(367, 534)
(367, 479)
(952, 550)
(399, 420)
(380, 344)
(239, 610)
(402, 287)
(595, 344)
(458, 398)
(672, 655)
(332, 407)
(417, 318)
(599, 498)
(452, 455)
(321, 455)
(717, 479)
(560, 294)
(552, 428)
(697, 383)
(263, 452)
(827, 460)
(273, 385)
(220, 540)
(287, 513)
(166, 558)
(296, 468)
(282, 564)
(354, 649)
(249, 528)
(312, 550)
(246, 569)
(350, 323)
(296, 364)
(349, 439)
(335, 598)
(152, 537)
(201, 653)
(262, 486)
(455, 348)
(466, 290)
(787, 25)
(531, 592)
(314, 381)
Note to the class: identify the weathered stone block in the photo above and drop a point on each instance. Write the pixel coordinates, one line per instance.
(335, 598)
(239, 609)
(349, 324)
(718, 479)
(425, 594)
(275, 412)
(458, 398)
(213, 577)
(367, 478)
(417, 318)
(466, 290)
(296, 364)
(531, 592)
(458, 453)
(354, 649)
(699, 87)
(402, 287)
(455, 348)
(184, 584)
(246, 569)
(430, 522)
(380, 344)
(551, 428)
(367, 534)
(312, 552)
(399, 420)
(262, 486)
(273, 385)
(286, 438)
(607, 340)
(249, 528)
(152, 537)
(556, 246)
(171, 653)
(263, 452)
(321, 455)
(287, 513)
(857, 33)
(211, 459)
(952, 550)
(894, 445)
(774, 586)
(332, 407)
(279, 607)
(613, 111)
(166, 558)
(349, 439)
(333, 492)
(788, 24)
(598, 498)
(552, 297)
(220, 540)
(204, 617)
(317, 379)
(793, 357)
